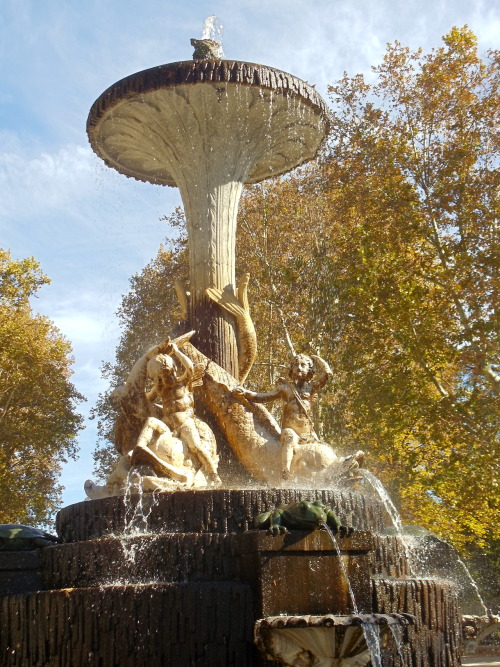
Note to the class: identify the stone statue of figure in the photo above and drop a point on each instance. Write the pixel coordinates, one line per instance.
(157, 432)
(307, 377)
(173, 376)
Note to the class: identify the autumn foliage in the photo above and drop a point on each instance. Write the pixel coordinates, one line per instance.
(384, 258)
(38, 422)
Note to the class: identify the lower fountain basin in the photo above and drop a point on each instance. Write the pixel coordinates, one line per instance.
(194, 585)
(201, 623)
(325, 641)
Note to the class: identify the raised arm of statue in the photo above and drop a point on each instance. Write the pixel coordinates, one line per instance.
(322, 372)
(187, 364)
(259, 397)
(132, 396)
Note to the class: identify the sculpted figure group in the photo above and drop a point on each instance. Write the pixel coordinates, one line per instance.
(157, 432)
(160, 438)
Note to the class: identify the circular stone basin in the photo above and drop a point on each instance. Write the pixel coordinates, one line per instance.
(205, 511)
(254, 121)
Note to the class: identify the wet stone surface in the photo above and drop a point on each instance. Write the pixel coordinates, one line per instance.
(220, 511)
(155, 625)
(196, 583)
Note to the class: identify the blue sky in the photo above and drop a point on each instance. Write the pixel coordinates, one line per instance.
(92, 228)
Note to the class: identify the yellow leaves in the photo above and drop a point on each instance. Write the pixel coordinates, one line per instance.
(19, 279)
(460, 38)
(38, 422)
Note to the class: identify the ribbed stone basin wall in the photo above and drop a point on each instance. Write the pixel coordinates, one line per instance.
(435, 639)
(156, 625)
(180, 595)
(220, 511)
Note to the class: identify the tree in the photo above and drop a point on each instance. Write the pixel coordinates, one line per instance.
(399, 238)
(38, 422)
(412, 174)
(383, 258)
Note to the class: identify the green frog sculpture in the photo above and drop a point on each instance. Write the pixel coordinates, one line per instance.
(304, 515)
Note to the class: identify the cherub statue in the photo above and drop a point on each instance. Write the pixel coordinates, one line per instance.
(157, 432)
(175, 389)
(307, 377)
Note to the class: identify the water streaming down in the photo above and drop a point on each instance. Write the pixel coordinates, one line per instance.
(371, 631)
(342, 565)
(385, 498)
(138, 505)
(138, 508)
(428, 558)
(474, 585)
(409, 545)
(397, 636)
(393, 513)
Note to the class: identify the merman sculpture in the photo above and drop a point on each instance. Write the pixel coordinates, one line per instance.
(157, 433)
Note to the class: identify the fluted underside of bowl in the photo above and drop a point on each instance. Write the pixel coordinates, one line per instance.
(253, 121)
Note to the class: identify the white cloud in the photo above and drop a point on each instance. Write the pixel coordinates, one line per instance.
(49, 181)
(80, 327)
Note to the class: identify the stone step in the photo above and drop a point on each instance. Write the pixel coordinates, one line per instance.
(20, 572)
(154, 625)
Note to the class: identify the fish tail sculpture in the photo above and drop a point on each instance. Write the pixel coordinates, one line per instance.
(237, 305)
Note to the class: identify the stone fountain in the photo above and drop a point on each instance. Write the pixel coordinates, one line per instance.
(166, 563)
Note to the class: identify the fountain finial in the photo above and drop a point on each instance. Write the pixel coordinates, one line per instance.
(209, 47)
(206, 49)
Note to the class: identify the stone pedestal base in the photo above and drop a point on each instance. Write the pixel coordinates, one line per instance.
(190, 591)
(301, 573)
